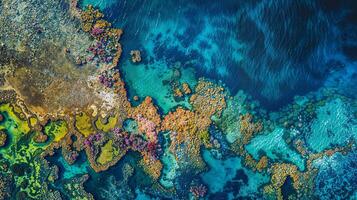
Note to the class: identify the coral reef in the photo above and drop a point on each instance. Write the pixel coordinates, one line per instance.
(189, 128)
(135, 56)
(198, 190)
(3, 138)
(75, 189)
(5, 184)
(64, 109)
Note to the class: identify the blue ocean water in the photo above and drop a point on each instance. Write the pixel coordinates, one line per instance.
(229, 179)
(337, 176)
(272, 49)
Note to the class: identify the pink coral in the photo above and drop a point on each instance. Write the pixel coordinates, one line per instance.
(148, 127)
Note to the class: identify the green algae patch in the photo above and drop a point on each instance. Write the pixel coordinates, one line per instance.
(204, 137)
(12, 124)
(107, 153)
(84, 125)
(22, 155)
(56, 129)
(13, 119)
(109, 125)
(24, 160)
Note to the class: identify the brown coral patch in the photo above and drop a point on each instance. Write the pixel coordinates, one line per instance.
(52, 84)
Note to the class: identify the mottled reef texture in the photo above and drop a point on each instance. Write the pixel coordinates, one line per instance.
(61, 91)
(34, 37)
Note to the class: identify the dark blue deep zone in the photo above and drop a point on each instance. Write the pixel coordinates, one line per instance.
(274, 50)
(337, 180)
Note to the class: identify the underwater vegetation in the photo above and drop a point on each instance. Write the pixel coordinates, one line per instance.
(114, 99)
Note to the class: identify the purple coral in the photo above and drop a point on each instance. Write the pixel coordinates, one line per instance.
(97, 31)
(98, 136)
(135, 142)
(100, 52)
(106, 80)
(198, 190)
(117, 131)
(87, 142)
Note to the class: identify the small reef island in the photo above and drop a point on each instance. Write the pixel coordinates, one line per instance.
(85, 115)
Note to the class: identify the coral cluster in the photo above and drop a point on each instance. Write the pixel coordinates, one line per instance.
(189, 129)
(198, 190)
(135, 56)
(107, 49)
(5, 184)
(3, 138)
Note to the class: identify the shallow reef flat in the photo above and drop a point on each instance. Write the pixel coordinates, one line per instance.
(86, 113)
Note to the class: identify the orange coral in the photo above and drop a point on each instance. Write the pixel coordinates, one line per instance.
(186, 88)
(151, 167)
(185, 126)
(189, 129)
(280, 172)
(208, 99)
(262, 164)
(248, 128)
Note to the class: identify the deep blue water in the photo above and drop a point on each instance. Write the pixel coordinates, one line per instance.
(337, 177)
(273, 50)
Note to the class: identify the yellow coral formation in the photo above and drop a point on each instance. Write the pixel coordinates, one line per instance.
(255, 165)
(58, 129)
(107, 153)
(303, 182)
(177, 92)
(109, 125)
(248, 128)
(84, 125)
(262, 164)
(185, 127)
(89, 17)
(18, 127)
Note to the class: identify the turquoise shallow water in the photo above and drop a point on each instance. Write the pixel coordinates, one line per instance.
(149, 80)
(334, 125)
(231, 170)
(275, 147)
